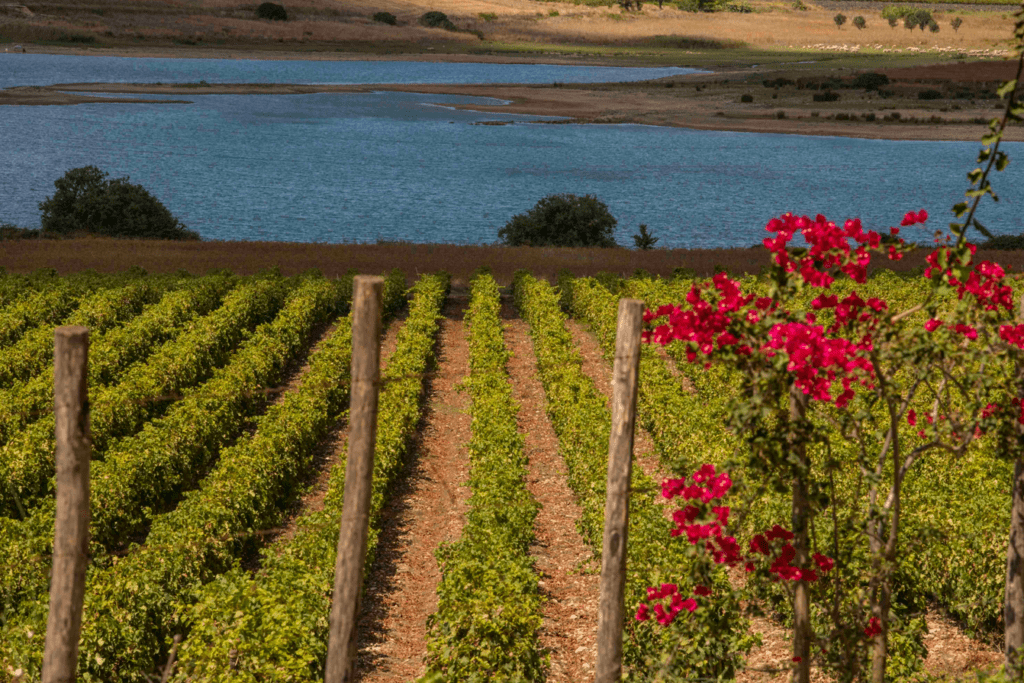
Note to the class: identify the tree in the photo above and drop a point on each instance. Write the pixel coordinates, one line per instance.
(840, 19)
(893, 21)
(562, 220)
(933, 26)
(859, 22)
(87, 201)
(644, 240)
(956, 24)
(272, 12)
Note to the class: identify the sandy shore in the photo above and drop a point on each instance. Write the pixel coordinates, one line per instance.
(702, 102)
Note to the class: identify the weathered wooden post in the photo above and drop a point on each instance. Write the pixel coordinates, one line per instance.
(616, 508)
(355, 516)
(71, 526)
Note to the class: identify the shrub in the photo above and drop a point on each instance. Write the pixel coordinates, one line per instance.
(827, 96)
(1006, 242)
(272, 11)
(746, 97)
(893, 21)
(644, 240)
(488, 16)
(780, 114)
(437, 20)
(929, 95)
(385, 18)
(840, 19)
(956, 24)
(10, 231)
(859, 22)
(870, 80)
(933, 26)
(86, 201)
(799, 5)
(562, 220)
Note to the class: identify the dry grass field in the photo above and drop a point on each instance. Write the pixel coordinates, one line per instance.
(491, 26)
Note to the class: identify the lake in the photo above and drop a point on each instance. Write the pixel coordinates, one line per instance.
(403, 166)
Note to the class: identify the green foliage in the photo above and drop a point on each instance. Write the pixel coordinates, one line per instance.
(956, 23)
(385, 18)
(99, 312)
(491, 16)
(489, 604)
(87, 202)
(47, 306)
(929, 95)
(272, 12)
(859, 22)
(644, 240)
(840, 19)
(272, 626)
(436, 19)
(562, 220)
(870, 80)
(111, 353)
(143, 474)
(26, 461)
(826, 96)
(1005, 242)
(746, 98)
(933, 26)
(893, 21)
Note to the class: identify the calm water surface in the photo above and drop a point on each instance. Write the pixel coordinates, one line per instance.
(363, 167)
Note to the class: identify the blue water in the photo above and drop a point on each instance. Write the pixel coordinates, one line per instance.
(370, 166)
(38, 69)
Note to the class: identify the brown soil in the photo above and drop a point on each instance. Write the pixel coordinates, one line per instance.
(427, 509)
(570, 575)
(951, 652)
(245, 258)
(330, 450)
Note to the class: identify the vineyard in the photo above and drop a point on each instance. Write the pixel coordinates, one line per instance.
(218, 409)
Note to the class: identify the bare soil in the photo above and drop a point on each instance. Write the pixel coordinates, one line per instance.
(427, 509)
(570, 575)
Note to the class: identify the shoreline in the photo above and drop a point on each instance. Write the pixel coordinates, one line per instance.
(642, 103)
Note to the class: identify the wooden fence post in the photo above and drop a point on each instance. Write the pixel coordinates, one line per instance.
(616, 507)
(367, 295)
(71, 526)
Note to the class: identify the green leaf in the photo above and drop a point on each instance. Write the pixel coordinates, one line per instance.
(1007, 88)
(959, 209)
(1001, 160)
(981, 228)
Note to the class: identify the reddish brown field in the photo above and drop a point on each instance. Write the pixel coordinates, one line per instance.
(110, 255)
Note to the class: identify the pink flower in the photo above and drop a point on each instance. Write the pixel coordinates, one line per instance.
(933, 324)
(701, 590)
(912, 417)
(873, 628)
(642, 612)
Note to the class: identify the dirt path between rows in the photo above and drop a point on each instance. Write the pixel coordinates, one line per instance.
(570, 575)
(426, 509)
(331, 449)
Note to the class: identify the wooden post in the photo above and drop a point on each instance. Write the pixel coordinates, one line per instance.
(71, 526)
(616, 508)
(367, 295)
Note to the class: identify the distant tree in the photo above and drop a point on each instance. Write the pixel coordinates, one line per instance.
(272, 11)
(933, 26)
(644, 240)
(859, 22)
(562, 220)
(910, 21)
(86, 201)
(385, 18)
(893, 21)
(840, 19)
(956, 24)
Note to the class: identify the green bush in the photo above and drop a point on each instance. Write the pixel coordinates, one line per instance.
(1007, 242)
(272, 11)
(827, 96)
(385, 18)
(893, 21)
(929, 95)
(859, 22)
(840, 19)
(437, 20)
(870, 80)
(746, 97)
(644, 239)
(562, 220)
(87, 202)
(956, 24)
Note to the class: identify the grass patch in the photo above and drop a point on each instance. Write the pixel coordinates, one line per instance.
(23, 32)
